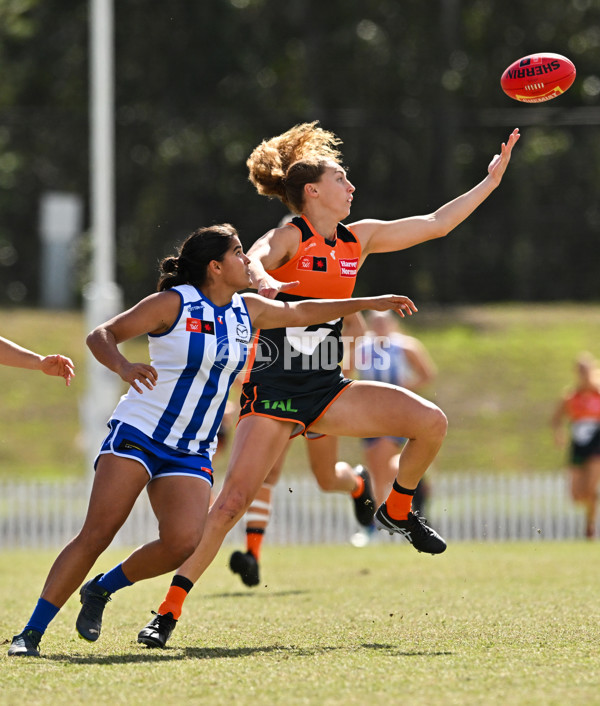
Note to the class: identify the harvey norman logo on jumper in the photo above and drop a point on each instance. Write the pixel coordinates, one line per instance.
(200, 326)
(348, 267)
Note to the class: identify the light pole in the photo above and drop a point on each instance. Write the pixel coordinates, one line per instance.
(102, 296)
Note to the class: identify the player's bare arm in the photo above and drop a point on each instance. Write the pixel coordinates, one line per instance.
(388, 236)
(13, 355)
(557, 422)
(273, 314)
(422, 366)
(154, 314)
(269, 252)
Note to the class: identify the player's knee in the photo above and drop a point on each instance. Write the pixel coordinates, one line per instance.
(183, 550)
(437, 423)
(96, 539)
(231, 505)
(327, 483)
(179, 545)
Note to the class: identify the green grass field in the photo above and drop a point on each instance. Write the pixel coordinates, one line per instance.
(501, 371)
(482, 624)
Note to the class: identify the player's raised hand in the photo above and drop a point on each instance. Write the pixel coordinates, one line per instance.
(498, 165)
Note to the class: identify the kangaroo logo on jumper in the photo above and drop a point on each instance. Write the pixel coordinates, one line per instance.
(200, 326)
(283, 405)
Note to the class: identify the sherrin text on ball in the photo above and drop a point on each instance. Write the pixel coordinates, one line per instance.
(538, 77)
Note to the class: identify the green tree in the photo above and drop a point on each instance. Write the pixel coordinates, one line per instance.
(412, 88)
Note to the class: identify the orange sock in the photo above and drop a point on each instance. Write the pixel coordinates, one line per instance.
(254, 538)
(173, 602)
(399, 502)
(257, 519)
(361, 486)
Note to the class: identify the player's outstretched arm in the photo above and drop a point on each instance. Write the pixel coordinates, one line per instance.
(16, 356)
(389, 236)
(266, 313)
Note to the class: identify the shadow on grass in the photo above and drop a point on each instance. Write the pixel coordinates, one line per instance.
(257, 593)
(395, 652)
(145, 655)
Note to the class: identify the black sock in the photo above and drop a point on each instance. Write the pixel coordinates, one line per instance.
(404, 491)
(182, 582)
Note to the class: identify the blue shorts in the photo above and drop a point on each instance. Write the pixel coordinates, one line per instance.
(370, 440)
(159, 460)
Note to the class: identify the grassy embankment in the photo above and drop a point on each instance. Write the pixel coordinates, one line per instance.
(501, 371)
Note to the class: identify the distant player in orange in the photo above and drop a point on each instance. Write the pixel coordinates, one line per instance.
(295, 385)
(580, 407)
(15, 356)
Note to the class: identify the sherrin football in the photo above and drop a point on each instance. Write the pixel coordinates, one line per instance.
(538, 77)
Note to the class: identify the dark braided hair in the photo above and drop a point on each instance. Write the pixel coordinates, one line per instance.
(190, 265)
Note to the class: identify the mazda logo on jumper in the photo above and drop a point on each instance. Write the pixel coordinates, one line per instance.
(226, 353)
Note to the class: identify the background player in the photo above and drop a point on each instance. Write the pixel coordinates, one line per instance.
(384, 354)
(580, 408)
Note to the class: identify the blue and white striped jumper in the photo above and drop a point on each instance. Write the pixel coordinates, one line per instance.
(197, 360)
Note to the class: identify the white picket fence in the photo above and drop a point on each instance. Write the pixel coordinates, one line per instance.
(482, 507)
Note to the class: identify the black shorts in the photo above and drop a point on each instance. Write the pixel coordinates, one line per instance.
(302, 408)
(580, 453)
